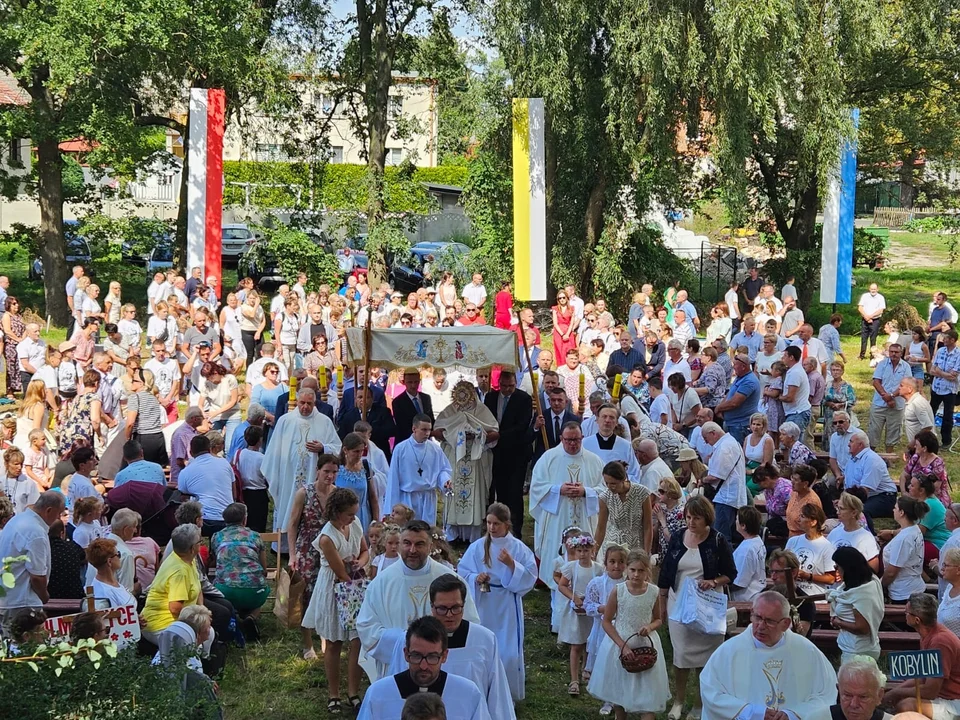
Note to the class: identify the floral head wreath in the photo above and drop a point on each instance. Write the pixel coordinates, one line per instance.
(569, 529)
(580, 541)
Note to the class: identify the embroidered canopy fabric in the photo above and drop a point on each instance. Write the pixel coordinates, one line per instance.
(473, 347)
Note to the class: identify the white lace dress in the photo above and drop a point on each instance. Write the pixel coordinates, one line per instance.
(642, 692)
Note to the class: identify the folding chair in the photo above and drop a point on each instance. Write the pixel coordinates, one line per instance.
(273, 574)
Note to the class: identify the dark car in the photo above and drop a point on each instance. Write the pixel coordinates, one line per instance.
(406, 273)
(261, 265)
(77, 250)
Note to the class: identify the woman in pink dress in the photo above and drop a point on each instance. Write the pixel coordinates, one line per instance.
(564, 327)
(502, 305)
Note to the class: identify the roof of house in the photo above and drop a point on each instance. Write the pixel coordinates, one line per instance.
(11, 93)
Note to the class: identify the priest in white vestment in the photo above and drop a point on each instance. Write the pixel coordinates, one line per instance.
(290, 462)
(399, 595)
(607, 445)
(467, 432)
(768, 672)
(499, 570)
(418, 470)
(471, 648)
(425, 652)
(564, 491)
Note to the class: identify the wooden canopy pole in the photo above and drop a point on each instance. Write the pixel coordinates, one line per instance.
(367, 349)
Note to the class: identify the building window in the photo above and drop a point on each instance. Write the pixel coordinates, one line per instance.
(394, 156)
(335, 155)
(13, 152)
(270, 152)
(328, 105)
(395, 107)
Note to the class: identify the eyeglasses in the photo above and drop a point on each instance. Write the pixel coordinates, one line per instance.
(766, 622)
(448, 609)
(431, 658)
(840, 422)
(273, 371)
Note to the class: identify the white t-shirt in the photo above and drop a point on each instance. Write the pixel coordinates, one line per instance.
(872, 304)
(905, 551)
(50, 378)
(156, 328)
(816, 556)
(164, 374)
(276, 305)
(25, 534)
(660, 406)
(477, 294)
(670, 367)
(131, 330)
(861, 539)
(254, 374)
(797, 376)
(681, 405)
(86, 533)
(248, 464)
(750, 559)
(289, 328)
(33, 351)
(733, 306)
(108, 596)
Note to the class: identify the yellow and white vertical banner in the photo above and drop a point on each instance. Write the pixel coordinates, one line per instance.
(529, 201)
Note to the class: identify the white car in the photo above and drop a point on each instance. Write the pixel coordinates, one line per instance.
(235, 241)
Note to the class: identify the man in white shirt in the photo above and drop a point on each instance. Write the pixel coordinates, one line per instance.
(811, 346)
(166, 376)
(474, 291)
(697, 441)
(796, 390)
(727, 472)
(31, 354)
(683, 329)
(871, 307)
(917, 413)
(276, 305)
(732, 299)
(26, 535)
(574, 300)
(153, 290)
(652, 467)
(675, 362)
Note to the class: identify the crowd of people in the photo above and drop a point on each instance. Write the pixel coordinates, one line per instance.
(664, 457)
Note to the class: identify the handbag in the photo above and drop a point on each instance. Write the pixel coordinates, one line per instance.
(705, 610)
(289, 605)
(348, 596)
(642, 658)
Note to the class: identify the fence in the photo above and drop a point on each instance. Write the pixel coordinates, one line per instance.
(898, 217)
(718, 266)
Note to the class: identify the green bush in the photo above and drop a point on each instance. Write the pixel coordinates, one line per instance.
(934, 224)
(295, 252)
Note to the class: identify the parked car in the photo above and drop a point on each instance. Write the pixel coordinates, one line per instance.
(77, 250)
(260, 265)
(406, 273)
(358, 248)
(160, 259)
(236, 239)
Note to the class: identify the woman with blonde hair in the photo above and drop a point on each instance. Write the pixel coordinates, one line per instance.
(850, 533)
(112, 304)
(691, 469)
(499, 570)
(758, 448)
(668, 512)
(146, 417)
(33, 414)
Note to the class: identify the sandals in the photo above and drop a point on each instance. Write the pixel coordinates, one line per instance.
(573, 689)
(333, 706)
(310, 654)
(354, 701)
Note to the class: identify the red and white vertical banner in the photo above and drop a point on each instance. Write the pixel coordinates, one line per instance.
(205, 182)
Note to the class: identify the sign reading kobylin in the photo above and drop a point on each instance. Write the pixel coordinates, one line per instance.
(915, 664)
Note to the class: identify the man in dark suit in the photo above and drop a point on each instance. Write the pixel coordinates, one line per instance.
(348, 402)
(514, 412)
(378, 416)
(304, 383)
(653, 352)
(553, 420)
(409, 404)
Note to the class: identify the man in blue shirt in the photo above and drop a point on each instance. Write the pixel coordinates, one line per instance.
(741, 401)
(886, 411)
(866, 469)
(941, 319)
(688, 308)
(944, 368)
(749, 338)
(138, 469)
(830, 337)
(210, 480)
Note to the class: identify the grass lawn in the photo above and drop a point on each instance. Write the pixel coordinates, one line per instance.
(270, 679)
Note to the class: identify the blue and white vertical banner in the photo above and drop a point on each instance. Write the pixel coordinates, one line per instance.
(836, 262)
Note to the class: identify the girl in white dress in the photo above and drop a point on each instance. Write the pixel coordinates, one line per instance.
(574, 622)
(499, 570)
(343, 553)
(632, 608)
(388, 548)
(594, 602)
(564, 555)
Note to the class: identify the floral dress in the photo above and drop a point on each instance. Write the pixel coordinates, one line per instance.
(773, 407)
(844, 394)
(675, 522)
(934, 467)
(77, 423)
(311, 523)
(18, 328)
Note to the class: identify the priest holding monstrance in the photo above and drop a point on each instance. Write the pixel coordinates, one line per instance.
(564, 491)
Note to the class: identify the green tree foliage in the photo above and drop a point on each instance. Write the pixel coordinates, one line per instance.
(295, 252)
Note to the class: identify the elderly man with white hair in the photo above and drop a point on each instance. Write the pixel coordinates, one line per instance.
(31, 354)
(726, 473)
(860, 686)
(290, 462)
(840, 445)
(768, 672)
(675, 362)
(652, 467)
(867, 469)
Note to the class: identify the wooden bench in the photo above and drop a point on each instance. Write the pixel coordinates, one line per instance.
(890, 641)
(57, 607)
(891, 613)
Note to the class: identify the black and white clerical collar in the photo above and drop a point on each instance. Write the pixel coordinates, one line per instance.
(604, 443)
(458, 638)
(407, 687)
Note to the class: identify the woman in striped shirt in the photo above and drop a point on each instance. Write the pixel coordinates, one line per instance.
(145, 417)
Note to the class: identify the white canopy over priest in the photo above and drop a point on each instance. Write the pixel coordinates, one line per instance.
(399, 595)
(499, 570)
(471, 648)
(564, 491)
(418, 470)
(425, 651)
(467, 431)
(290, 462)
(607, 445)
(769, 669)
